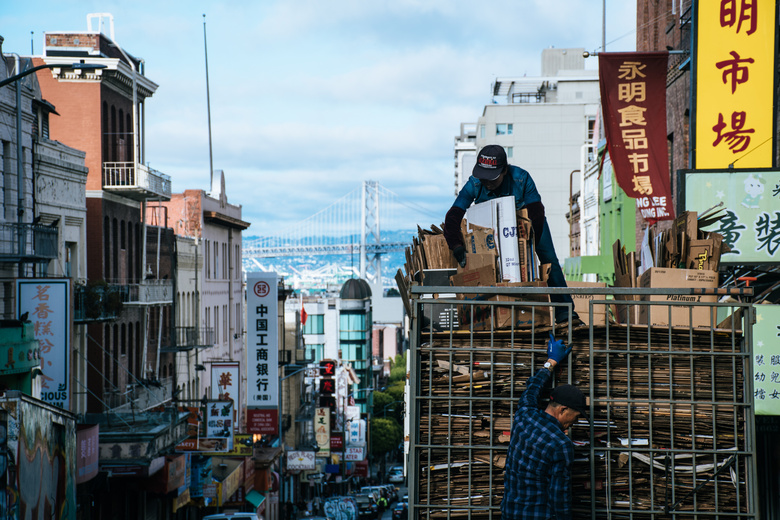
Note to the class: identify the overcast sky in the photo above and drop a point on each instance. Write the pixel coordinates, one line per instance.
(309, 98)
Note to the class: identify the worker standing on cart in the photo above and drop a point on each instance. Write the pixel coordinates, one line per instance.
(491, 178)
(537, 475)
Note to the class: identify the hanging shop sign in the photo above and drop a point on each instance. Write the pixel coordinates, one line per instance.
(47, 305)
(734, 74)
(633, 98)
(262, 353)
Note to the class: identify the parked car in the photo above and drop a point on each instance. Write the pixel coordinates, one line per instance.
(367, 508)
(401, 511)
(392, 492)
(377, 491)
(232, 516)
(396, 475)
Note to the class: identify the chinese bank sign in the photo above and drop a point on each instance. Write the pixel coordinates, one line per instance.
(734, 75)
(47, 304)
(751, 221)
(262, 353)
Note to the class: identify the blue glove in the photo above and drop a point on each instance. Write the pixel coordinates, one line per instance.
(556, 349)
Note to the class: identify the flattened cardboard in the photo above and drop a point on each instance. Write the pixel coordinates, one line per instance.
(524, 315)
(582, 303)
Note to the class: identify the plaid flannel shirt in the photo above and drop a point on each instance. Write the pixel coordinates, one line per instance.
(537, 480)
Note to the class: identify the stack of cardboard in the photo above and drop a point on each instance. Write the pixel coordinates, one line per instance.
(681, 257)
(654, 393)
(686, 245)
(487, 265)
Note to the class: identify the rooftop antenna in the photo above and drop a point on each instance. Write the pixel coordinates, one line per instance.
(32, 49)
(208, 104)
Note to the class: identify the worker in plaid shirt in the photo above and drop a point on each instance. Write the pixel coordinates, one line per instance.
(537, 473)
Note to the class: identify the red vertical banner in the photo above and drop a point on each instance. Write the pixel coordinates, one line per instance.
(633, 100)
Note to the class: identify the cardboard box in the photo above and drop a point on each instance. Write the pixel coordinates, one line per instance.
(477, 260)
(500, 216)
(704, 255)
(582, 303)
(682, 315)
(479, 239)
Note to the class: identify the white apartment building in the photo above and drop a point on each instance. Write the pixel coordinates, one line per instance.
(544, 123)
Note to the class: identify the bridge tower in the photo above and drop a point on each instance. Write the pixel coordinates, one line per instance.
(370, 263)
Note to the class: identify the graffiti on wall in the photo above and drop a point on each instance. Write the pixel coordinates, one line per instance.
(39, 482)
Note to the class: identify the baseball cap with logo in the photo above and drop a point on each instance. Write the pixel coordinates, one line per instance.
(491, 161)
(571, 396)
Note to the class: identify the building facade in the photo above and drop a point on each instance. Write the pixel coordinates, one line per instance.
(544, 123)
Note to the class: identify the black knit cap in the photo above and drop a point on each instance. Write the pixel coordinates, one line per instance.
(491, 161)
(571, 396)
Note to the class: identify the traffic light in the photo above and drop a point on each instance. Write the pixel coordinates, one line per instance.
(328, 367)
(327, 386)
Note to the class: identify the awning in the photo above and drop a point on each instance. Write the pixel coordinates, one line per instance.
(255, 498)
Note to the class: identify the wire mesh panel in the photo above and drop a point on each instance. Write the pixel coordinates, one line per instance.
(670, 434)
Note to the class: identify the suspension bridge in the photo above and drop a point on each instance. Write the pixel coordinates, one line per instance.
(352, 225)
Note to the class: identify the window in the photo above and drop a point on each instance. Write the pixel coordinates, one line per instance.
(315, 352)
(315, 324)
(504, 129)
(510, 151)
(216, 323)
(482, 131)
(207, 260)
(224, 323)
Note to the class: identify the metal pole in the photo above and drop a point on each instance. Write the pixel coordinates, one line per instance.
(603, 25)
(208, 103)
(19, 168)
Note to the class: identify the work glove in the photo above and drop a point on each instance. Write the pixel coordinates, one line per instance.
(460, 255)
(556, 349)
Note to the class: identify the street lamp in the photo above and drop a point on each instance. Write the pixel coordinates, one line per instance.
(75, 66)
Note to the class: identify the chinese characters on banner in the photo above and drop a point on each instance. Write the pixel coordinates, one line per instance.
(766, 360)
(47, 304)
(633, 99)
(224, 385)
(322, 430)
(262, 353)
(219, 424)
(734, 82)
(751, 221)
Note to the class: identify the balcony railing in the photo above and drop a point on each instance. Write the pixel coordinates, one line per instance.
(27, 242)
(188, 338)
(136, 181)
(150, 292)
(99, 302)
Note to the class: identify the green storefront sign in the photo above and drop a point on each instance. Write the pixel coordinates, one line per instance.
(751, 221)
(766, 360)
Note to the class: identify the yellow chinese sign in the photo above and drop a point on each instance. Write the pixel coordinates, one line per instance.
(735, 69)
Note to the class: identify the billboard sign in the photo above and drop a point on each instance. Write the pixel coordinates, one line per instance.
(751, 221)
(735, 55)
(262, 352)
(47, 305)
